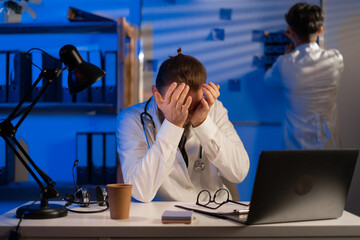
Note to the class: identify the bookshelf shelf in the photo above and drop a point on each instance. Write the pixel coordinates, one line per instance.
(55, 107)
(66, 27)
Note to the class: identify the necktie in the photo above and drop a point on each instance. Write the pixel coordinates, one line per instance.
(182, 149)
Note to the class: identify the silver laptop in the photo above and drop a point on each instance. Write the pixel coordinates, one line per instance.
(300, 185)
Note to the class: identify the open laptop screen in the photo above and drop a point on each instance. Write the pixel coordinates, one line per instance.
(299, 185)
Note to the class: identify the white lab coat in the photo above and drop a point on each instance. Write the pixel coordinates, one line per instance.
(161, 171)
(310, 78)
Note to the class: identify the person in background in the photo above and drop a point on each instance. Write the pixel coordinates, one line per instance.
(309, 76)
(180, 141)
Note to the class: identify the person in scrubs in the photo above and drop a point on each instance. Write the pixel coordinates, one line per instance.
(309, 76)
(180, 141)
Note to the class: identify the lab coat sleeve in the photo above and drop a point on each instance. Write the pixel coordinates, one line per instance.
(145, 168)
(222, 145)
(273, 75)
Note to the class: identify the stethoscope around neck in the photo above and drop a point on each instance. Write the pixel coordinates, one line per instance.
(146, 120)
(145, 116)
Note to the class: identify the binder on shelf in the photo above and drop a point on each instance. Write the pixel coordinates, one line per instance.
(10, 164)
(83, 96)
(36, 58)
(82, 170)
(96, 153)
(97, 157)
(96, 91)
(3, 78)
(110, 158)
(3, 178)
(110, 77)
(10, 77)
(54, 91)
(19, 76)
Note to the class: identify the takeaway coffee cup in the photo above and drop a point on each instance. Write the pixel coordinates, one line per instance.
(119, 200)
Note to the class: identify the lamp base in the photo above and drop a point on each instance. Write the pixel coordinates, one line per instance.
(36, 211)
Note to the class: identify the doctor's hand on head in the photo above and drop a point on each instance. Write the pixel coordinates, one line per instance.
(175, 104)
(181, 104)
(200, 113)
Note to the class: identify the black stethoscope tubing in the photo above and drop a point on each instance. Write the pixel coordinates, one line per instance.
(142, 116)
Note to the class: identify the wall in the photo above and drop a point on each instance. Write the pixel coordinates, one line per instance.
(254, 108)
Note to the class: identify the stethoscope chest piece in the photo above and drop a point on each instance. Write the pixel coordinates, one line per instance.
(199, 166)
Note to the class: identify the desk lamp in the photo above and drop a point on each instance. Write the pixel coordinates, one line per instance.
(81, 76)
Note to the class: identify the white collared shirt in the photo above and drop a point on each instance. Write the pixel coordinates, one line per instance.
(161, 171)
(310, 77)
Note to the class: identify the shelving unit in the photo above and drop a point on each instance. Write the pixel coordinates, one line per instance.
(70, 117)
(127, 66)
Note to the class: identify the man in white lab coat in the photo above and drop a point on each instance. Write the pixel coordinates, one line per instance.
(184, 111)
(309, 76)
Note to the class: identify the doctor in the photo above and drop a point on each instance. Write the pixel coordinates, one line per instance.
(180, 141)
(309, 77)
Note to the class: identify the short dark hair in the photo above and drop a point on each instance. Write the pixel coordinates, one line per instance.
(181, 69)
(305, 19)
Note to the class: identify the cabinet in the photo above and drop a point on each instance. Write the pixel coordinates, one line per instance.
(126, 67)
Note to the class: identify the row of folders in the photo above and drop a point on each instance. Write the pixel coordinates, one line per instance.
(96, 153)
(17, 74)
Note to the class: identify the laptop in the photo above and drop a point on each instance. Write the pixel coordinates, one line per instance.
(300, 185)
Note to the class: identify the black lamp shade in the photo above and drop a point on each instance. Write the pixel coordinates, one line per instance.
(81, 74)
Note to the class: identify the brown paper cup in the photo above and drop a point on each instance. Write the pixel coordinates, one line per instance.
(119, 200)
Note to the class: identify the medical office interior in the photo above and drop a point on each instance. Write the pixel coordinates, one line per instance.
(231, 39)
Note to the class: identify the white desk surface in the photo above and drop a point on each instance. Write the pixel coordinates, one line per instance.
(145, 222)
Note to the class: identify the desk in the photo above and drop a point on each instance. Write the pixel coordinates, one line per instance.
(145, 222)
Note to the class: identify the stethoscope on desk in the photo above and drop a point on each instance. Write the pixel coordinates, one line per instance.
(147, 122)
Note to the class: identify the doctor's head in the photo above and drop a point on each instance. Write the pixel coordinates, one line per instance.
(182, 69)
(306, 21)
